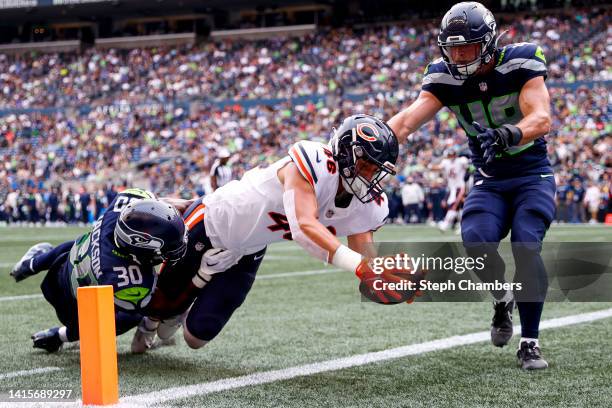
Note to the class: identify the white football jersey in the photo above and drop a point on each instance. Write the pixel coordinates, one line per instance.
(454, 171)
(247, 214)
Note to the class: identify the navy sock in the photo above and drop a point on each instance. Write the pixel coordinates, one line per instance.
(43, 262)
(530, 313)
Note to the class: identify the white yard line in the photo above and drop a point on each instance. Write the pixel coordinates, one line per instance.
(265, 377)
(283, 257)
(23, 373)
(265, 276)
(7, 264)
(298, 273)
(19, 297)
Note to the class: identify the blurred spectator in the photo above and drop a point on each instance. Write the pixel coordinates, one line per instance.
(153, 124)
(592, 200)
(412, 199)
(221, 171)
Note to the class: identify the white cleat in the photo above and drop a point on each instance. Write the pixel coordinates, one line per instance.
(144, 337)
(168, 328)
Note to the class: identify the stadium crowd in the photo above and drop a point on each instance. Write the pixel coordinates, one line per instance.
(330, 61)
(151, 126)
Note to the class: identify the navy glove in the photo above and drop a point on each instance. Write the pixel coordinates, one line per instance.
(493, 141)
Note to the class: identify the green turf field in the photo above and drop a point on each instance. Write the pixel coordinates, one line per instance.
(296, 315)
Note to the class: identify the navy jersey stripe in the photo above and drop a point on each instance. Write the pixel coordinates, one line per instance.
(312, 171)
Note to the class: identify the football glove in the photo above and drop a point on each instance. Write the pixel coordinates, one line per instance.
(494, 141)
(376, 288)
(163, 306)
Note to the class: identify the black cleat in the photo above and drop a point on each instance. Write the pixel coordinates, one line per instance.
(501, 326)
(48, 340)
(530, 357)
(23, 268)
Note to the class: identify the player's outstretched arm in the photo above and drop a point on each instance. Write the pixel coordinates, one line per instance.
(534, 102)
(180, 204)
(421, 111)
(362, 243)
(301, 208)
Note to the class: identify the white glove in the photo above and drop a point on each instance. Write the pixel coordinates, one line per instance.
(214, 260)
(217, 260)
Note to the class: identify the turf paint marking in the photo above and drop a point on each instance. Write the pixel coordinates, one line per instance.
(299, 273)
(24, 373)
(19, 297)
(265, 377)
(268, 276)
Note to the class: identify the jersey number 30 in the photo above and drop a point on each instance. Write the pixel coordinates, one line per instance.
(131, 275)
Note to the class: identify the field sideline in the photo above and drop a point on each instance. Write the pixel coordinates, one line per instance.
(303, 314)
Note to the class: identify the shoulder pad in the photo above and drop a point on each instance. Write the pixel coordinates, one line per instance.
(521, 55)
(437, 73)
(314, 161)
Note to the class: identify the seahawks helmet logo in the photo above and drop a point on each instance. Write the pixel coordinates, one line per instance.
(137, 238)
(145, 241)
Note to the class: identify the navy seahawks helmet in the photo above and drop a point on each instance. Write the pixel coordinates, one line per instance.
(152, 231)
(468, 23)
(364, 137)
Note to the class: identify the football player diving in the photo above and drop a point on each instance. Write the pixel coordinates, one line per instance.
(312, 196)
(500, 99)
(136, 233)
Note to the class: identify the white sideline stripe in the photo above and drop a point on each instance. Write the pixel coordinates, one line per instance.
(7, 264)
(265, 377)
(299, 273)
(293, 248)
(24, 373)
(282, 257)
(19, 297)
(270, 276)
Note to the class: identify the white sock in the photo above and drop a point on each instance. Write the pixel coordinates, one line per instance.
(150, 324)
(450, 217)
(527, 339)
(62, 334)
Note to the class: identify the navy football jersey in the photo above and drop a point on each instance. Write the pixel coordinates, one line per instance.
(96, 260)
(493, 100)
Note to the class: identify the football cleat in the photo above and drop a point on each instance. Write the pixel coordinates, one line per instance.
(443, 226)
(48, 340)
(168, 327)
(501, 326)
(23, 268)
(144, 337)
(530, 357)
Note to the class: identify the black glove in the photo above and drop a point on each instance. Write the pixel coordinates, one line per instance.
(493, 141)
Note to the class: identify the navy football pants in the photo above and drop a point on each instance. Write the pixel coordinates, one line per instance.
(525, 206)
(215, 303)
